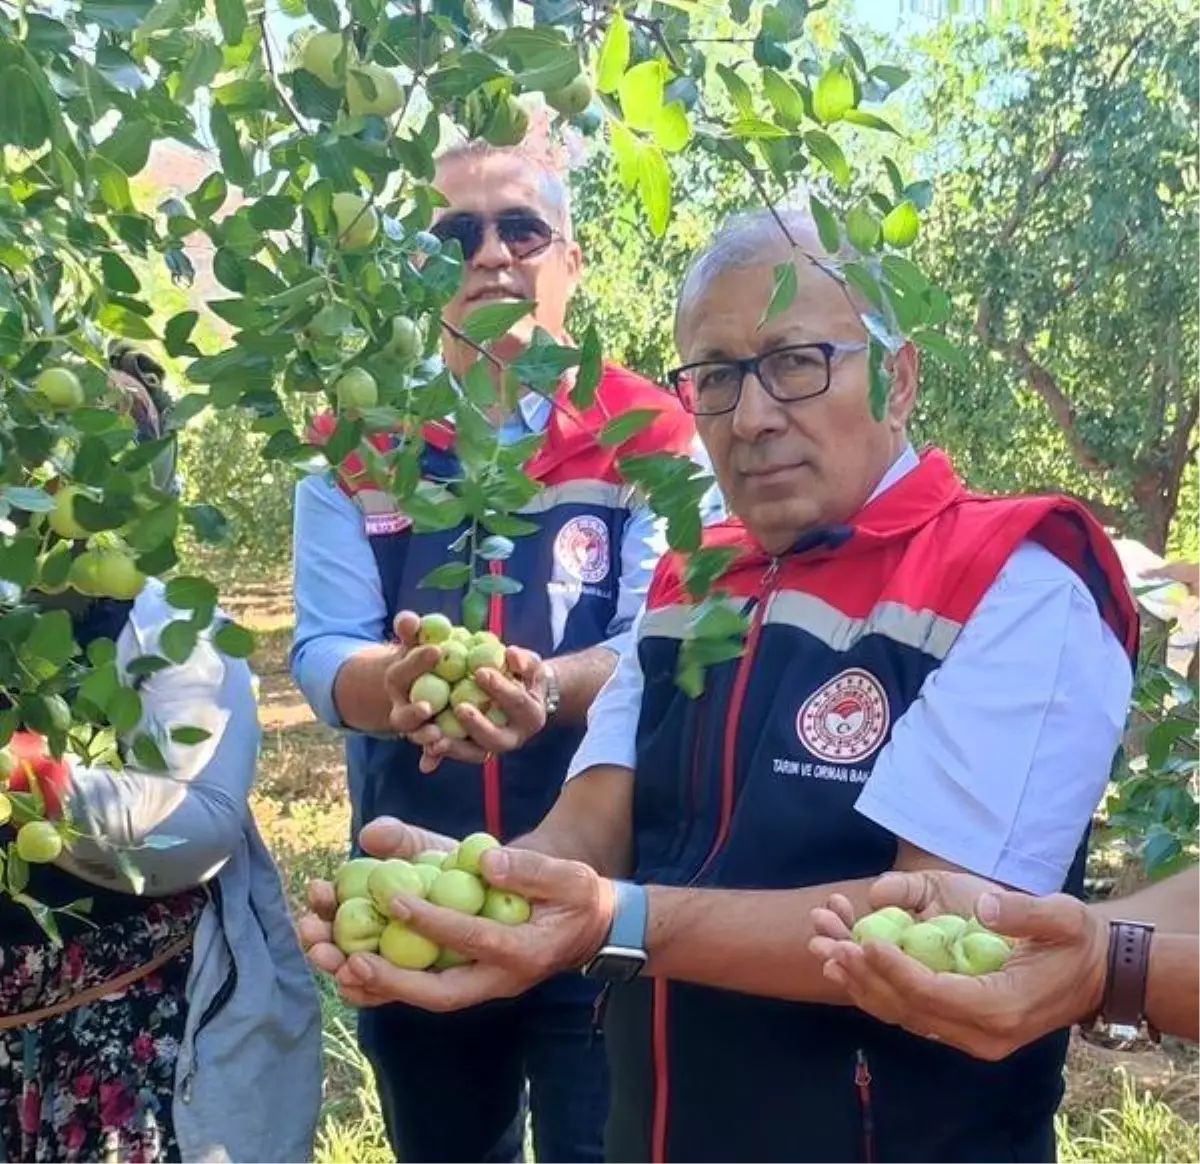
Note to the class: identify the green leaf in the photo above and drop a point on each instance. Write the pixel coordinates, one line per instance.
(201, 65)
(541, 365)
(191, 593)
(447, 576)
(229, 146)
(613, 58)
(231, 15)
(830, 155)
(128, 146)
(189, 736)
(29, 113)
(756, 127)
(940, 348)
(920, 194)
(234, 640)
(880, 385)
(28, 499)
(208, 522)
(641, 94)
(894, 176)
(111, 182)
(673, 131)
(118, 274)
(121, 321)
(178, 639)
(869, 120)
(784, 98)
(496, 549)
(124, 710)
(739, 91)
(891, 75)
(853, 51)
(493, 320)
(209, 196)
(626, 152)
(148, 754)
(497, 584)
(550, 70)
(783, 292)
(147, 665)
(827, 226)
(654, 185)
(52, 639)
(474, 610)
(591, 369)
(176, 336)
(619, 430)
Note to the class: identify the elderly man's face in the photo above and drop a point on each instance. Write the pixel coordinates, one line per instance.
(785, 468)
(498, 202)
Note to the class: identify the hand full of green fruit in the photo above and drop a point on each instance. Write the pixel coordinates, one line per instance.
(452, 682)
(946, 944)
(452, 880)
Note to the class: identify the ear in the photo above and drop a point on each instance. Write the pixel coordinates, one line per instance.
(573, 258)
(904, 368)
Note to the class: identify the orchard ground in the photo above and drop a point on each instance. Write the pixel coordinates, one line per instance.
(1118, 1108)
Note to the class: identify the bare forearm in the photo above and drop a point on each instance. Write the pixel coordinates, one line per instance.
(590, 822)
(1172, 906)
(751, 941)
(580, 677)
(359, 691)
(1173, 985)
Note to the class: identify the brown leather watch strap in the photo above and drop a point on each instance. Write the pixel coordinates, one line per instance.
(1124, 1002)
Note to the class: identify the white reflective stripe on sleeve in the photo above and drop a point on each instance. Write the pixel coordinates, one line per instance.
(921, 629)
(609, 494)
(674, 622)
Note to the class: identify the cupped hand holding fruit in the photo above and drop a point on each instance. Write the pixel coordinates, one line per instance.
(992, 1001)
(474, 925)
(459, 698)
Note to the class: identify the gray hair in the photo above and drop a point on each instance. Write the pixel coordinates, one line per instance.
(550, 184)
(756, 236)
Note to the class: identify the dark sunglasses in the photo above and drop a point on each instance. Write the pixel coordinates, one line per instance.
(524, 233)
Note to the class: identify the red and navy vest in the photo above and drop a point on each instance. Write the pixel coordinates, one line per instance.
(753, 786)
(570, 571)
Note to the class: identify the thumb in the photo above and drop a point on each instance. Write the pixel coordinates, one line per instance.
(1057, 918)
(387, 837)
(532, 875)
(406, 626)
(911, 891)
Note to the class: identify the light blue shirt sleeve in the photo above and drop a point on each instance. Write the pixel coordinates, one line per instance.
(202, 799)
(999, 764)
(340, 608)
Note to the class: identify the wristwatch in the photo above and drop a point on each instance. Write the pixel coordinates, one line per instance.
(1121, 1022)
(623, 954)
(553, 698)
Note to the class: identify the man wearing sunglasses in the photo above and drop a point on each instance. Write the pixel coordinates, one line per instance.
(451, 1086)
(930, 679)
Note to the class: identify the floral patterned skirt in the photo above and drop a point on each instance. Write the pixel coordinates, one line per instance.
(96, 1082)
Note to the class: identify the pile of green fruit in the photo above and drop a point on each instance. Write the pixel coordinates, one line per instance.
(452, 680)
(452, 879)
(946, 944)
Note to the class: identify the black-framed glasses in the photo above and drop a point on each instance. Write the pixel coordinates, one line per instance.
(792, 373)
(525, 234)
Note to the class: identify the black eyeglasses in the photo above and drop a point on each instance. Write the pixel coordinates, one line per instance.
(525, 234)
(796, 372)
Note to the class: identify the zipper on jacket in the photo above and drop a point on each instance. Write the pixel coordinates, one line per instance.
(733, 721)
(862, 1084)
(217, 1002)
(491, 766)
(596, 1026)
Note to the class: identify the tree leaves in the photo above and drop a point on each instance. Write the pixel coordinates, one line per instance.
(493, 320)
(613, 58)
(641, 95)
(783, 291)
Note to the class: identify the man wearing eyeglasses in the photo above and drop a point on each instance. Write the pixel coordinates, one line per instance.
(451, 1086)
(931, 679)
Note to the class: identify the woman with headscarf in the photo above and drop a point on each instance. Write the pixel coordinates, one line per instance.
(176, 1019)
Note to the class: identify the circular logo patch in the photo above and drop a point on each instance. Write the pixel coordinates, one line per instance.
(845, 720)
(581, 548)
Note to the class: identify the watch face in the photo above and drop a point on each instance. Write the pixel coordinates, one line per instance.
(611, 966)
